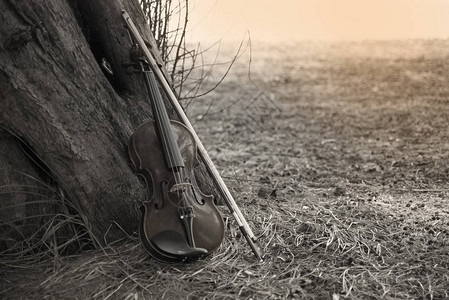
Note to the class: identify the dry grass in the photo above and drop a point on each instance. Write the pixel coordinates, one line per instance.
(315, 248)
(338, 214)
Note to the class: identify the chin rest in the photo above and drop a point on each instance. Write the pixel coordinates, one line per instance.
(172, 242)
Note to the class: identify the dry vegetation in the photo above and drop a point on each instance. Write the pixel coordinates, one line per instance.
(338, 158)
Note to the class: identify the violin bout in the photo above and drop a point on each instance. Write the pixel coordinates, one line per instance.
(178, 222)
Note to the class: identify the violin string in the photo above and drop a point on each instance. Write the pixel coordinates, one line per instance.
(178, 173)
(158, 116)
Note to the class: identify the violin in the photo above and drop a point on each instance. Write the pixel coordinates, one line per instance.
(179, 222)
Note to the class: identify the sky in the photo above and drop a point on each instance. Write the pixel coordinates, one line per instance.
(287, 20)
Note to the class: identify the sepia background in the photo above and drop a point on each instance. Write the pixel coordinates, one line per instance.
(287, 20)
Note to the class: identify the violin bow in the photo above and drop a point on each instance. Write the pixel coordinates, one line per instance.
(213, 172)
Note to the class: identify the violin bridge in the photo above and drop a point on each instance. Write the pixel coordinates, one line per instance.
(180, 187)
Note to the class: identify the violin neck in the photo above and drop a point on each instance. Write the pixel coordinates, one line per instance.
(166, 134)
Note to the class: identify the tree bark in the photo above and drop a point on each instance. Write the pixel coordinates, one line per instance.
(76, 118)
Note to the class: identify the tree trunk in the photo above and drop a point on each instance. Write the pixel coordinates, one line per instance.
(74, 116)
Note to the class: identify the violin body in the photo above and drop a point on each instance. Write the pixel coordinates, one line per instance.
(164, 233)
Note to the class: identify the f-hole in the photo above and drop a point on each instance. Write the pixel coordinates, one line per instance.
(159, 203)
(199, 201)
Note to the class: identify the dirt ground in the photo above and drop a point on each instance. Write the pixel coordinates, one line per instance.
(359, 128)
(363, 120)
(338, 155)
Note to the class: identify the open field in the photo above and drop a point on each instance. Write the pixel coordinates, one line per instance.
(338, 156)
